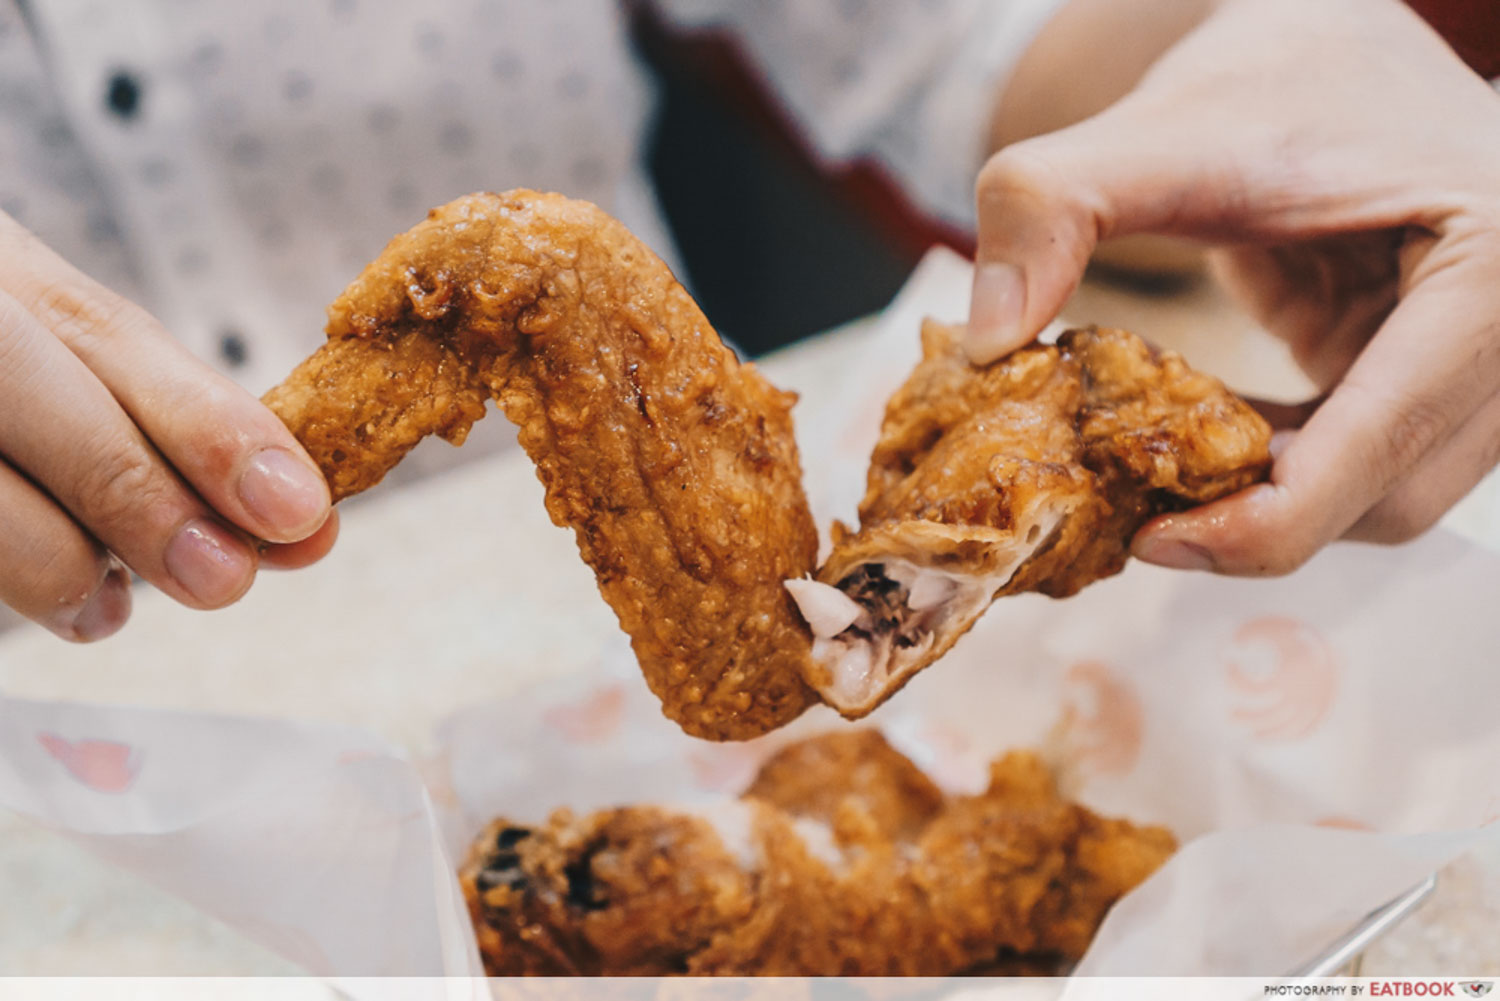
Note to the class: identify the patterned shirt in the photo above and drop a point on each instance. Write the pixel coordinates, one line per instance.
(231, 166)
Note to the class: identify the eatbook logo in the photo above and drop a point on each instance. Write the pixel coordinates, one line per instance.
(1476, 988)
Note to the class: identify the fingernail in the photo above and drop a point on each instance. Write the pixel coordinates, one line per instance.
(101, 614)
(995, 312)
(284, 493)
(1174, 553)
(211, 564)
(106, 610)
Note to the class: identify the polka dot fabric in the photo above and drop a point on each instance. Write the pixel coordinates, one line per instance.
(254, 156)
(48, 182)
(232, 166)
(911, 85)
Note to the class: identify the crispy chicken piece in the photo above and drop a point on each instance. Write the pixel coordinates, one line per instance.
(792, 883)
(677, 468)
(674, 463)
(854, 782)
(1030, 474)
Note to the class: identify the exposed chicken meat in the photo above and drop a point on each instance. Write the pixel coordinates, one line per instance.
(677, 468)
(1030, 474)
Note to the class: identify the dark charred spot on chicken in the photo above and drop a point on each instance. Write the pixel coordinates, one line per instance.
(509, 837)
(503, 868)
(582, 891)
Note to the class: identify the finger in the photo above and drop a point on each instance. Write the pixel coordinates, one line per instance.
(295, 555)
(51, 571)
(1403, 398)
(1438, 482)
(1044, 204)
(234, 452)
(81, 448)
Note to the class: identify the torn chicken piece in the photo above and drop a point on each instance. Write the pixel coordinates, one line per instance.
(1029, 474)
(677, 469)
(843, 859)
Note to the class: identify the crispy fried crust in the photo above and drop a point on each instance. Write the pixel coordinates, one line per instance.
(1119, 432)
(674, 463)
(677, 468)
(956, 884)
(854, 782)
(1029, 474)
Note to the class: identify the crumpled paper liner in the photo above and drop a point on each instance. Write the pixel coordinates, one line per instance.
(1320, 743)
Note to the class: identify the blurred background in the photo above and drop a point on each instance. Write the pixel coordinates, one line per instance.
(776, 246)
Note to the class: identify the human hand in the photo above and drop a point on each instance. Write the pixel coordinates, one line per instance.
(1349, 165)
(118, 447)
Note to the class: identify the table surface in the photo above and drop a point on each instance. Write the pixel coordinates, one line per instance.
(68, 913)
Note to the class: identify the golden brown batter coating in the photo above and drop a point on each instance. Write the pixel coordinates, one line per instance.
(1030, 474)
(980, 879)
(677, 468)
(674, 463)
(847, 780)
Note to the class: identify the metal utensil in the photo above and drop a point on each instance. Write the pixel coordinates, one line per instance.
(1347, 953)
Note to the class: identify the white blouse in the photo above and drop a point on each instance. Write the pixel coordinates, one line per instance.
(232, 166)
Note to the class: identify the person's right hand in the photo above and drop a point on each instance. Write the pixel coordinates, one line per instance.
(1347, 163)
(118, 447)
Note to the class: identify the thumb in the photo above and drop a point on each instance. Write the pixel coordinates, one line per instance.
(1044, 205)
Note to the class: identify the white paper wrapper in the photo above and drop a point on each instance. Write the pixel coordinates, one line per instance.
(314, 841)
(1320, 744)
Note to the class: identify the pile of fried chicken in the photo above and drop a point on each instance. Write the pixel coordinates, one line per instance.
(841, 859)
(676, 466)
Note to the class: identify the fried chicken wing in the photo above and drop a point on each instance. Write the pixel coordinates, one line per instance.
(1029, 474)
(674, 463)
(796, 884)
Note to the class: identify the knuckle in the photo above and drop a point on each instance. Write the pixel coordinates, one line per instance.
(122, 483)
(51, 569)
(1019, 169)
(1409, 427)
(1022, 193)
(1415, 427)
(87, 318)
